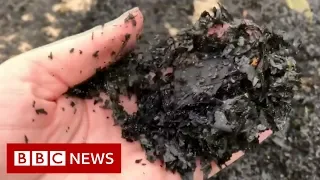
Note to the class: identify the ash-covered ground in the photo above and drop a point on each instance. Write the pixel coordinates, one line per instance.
(292, 154)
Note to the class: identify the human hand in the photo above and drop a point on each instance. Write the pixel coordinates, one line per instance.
(34, 109)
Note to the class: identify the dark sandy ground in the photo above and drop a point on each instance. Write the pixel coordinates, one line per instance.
(289, 155)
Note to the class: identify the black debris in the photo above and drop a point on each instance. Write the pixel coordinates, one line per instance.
(93, 110)
(97, 100)
(134, 22)
(63, 109)
(75, 111)
(143, 164)
(50, 56)
(80, 52)
(131, 18)
(113, 53)
(41, 111)
(127, 37)
(226, 84)
(96, 54)
(138, 36)
(71, 50)
(26, 140)
(138, 161)
(72, 103)
(33, 103)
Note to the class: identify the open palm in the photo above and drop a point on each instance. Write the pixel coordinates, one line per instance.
(34, 109)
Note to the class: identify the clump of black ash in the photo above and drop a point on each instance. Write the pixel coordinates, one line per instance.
(230, 81)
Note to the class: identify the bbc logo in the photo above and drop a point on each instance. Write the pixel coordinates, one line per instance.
(39, 158)
(63, 158)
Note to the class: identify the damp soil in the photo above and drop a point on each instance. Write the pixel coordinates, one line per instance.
(230, 80)
(291, 154)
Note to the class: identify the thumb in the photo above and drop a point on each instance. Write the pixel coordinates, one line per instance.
(70, 61)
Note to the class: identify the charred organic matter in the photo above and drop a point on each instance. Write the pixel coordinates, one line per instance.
(207, 93)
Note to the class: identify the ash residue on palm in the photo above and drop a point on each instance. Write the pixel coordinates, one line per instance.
(225, 88)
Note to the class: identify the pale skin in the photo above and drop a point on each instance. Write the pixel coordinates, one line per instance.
(44, 74)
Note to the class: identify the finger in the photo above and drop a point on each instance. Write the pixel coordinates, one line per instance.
(71, 61)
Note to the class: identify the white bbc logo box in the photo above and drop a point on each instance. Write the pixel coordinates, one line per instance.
(39, 158)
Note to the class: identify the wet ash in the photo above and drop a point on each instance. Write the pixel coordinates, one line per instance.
(231, 80)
